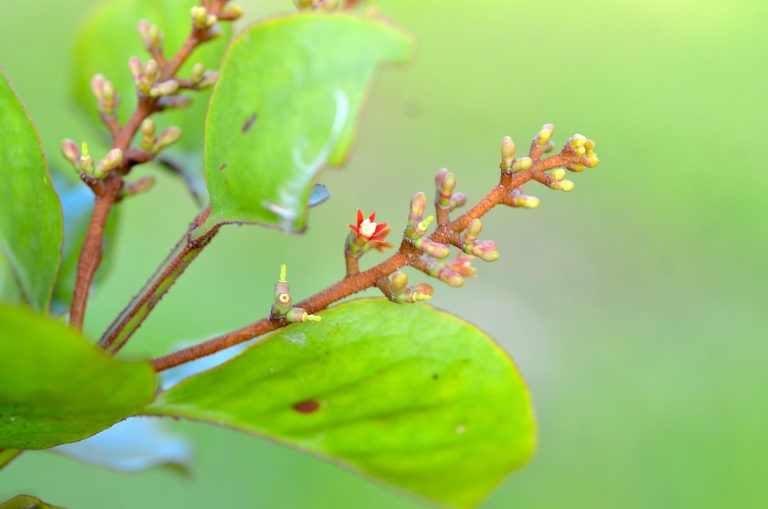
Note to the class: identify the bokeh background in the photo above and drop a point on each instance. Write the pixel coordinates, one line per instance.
(636, 306)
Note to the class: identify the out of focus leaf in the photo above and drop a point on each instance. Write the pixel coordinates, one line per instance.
(26, 502)
(409, 395)
(135, 444)
(286, 106)
(108, 37)
(56, 387)
(30, 213)
(77, 204)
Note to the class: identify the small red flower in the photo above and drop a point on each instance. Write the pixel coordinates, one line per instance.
(368, 229)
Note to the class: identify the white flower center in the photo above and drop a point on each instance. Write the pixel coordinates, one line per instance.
(367, 228)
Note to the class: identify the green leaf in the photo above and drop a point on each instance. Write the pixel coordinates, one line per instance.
(30, 213)
(285, 106)
(26, 502)
(55, 387)
(406, 394)
(77, 204)
(108, 38)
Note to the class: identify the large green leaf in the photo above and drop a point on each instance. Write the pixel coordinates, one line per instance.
(30, 213)
(108, 37)
(26, 502)
(56, 387)
(285, 106)
(407, 394)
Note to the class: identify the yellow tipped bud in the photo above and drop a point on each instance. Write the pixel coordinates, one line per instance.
(545, 134)
(283, 273)
(558, 174)
(564, 185)
(577, 140)
(422, 226)
(507, 152)
(522, 164)
(530, 202)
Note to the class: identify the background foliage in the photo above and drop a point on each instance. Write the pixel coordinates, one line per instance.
(641, 333)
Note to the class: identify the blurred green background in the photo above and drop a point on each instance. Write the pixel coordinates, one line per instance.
(636, 306)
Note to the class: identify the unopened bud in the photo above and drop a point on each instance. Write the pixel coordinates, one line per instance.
(418, 204)
(445, 182)
(577, 141)
(111, 161)
(148, 127)
(558, 174)
(398, 282)
(457, 200)
(423, 226)
(134, 65)
(108, 98)
(197, 72)
(168, 137)
(563, 185)
(528, 202)
(414, 294)
(486, 250)
(97, 83)
(433, 249)
(522, 164)
(169, 87)
(473, 230)
(208, 80)
(199, 15)
(234, 11)
(86, 162)
(545, 134)
(173, 101)
(70, 151)
(507, 153)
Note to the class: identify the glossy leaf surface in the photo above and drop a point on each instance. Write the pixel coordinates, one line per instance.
(286, 105)
(30, 213)
(56, 387)
(409, 395)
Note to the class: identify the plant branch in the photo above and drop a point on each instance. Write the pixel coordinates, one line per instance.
(357, 282)
(181, 256)
(109, 193)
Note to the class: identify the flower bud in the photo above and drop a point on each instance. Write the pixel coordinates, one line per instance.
(507, 153)
(70, 151)
(197, 72)
(398, 282)
(418, 205)
(522, 164)
(86, 162)
(148, 128)
(563, 185)
(111, 161)
(422, 227)
(473, 230)
(134, 65)
(445, 182)
(169, 87)
(558, 174)
(544, 135)
(528, 202)
(457, 200)
(433, 249)
(415, 294)
(208, 80)
(484, 249)
(462, 265)
(167, 138)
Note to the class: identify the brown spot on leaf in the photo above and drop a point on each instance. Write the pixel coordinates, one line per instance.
(248, 123)
(307, 407)
(223, 167)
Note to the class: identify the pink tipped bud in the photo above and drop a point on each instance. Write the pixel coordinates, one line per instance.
(462, 265)
(167, 138)
(485, 250)
(415, 294)
(451, 278)
(457, 200)
(97, 83)
(433, 249)
(111, 161)
(209, 79)
(134, 65)
(418, 205)
(445, 182)
(70, 151)
(169, 87)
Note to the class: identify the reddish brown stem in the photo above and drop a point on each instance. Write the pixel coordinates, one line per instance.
(357, 282)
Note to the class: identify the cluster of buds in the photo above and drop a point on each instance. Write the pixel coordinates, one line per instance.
(152, 142)
(584, 148)
(451, 273)
(147, 78)
(399, 291)
(510, 164)
(366, 234)
(282, 306)
(483, 249)
(151, 37)
(83, 162)
(418, 227)
(104, 90)
(445, 198)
